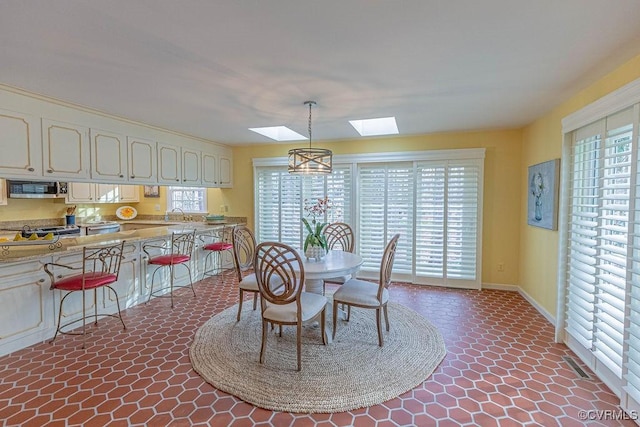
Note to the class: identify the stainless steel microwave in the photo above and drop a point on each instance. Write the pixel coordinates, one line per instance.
(36, 189)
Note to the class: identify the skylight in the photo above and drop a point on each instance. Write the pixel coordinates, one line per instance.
(373, 127)
(279, 133)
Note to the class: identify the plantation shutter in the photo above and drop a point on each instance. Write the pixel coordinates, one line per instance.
(385, 207)
(280, 201)
(278, 206)
(447, 223)
(434, 202)
(599, 230)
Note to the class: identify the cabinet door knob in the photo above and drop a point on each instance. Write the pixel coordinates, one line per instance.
(49, 171)
(121, 176)
(133, 176)
(31, 169)
(41, 280)
(177, 180)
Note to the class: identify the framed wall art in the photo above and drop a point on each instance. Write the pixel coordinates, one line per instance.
(151, 191)
(543, 183)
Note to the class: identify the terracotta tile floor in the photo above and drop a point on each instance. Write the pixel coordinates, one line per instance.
(502, 369)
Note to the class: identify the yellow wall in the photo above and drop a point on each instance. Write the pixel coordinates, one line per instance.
(542, 141)
(501, 190)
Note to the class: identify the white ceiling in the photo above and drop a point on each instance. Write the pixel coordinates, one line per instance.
(213, 68)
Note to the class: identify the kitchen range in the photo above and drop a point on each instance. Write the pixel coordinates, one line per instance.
(97, 227)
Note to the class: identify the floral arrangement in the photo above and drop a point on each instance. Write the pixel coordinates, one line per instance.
(316, 211)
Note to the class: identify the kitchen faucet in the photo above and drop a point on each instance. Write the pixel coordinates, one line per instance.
(184, 217)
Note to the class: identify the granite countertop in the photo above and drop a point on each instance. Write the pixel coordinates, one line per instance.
(29, 252)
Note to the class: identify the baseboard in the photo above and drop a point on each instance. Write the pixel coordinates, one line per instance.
(514, 288)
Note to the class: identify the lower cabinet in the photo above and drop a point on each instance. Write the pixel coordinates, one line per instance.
(26, 311)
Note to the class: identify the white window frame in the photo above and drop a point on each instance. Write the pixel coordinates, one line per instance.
(170, 203)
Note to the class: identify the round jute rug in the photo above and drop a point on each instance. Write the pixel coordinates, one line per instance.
(349, 373)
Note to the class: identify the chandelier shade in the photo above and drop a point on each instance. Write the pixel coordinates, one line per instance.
(310, 161)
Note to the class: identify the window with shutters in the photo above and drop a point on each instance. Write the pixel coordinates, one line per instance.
(599, 273)
(434, 203)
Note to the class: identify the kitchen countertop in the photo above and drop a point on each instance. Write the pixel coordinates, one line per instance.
(28, 252)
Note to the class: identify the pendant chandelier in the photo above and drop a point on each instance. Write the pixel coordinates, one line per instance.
(310, 161)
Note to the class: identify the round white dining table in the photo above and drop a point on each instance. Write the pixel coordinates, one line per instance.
(334, 264)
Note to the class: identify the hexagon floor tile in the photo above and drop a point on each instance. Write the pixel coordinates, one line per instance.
(502, 369)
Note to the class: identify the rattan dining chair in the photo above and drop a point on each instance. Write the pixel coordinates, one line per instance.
(100, 268)
(364, 294)
(339, 236)
(177, 252)
(288, 304)
(244, 251)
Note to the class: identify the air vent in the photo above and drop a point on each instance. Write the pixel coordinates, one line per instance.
(575, 366)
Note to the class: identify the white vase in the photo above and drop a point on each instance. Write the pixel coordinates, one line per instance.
(315, 252)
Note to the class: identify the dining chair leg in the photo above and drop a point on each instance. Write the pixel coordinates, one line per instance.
(323, 326)
(240, 306)
(299, 344)
(386, 316)
(335, 319)
(255, 300)
(264, 340)
(379, 324)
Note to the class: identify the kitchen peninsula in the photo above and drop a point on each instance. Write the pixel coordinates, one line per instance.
(28, 308)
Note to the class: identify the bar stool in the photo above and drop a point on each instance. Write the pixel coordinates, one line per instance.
(216, 250)
(178, 252)
(100, 268)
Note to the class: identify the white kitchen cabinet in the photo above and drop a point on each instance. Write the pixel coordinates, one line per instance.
(217, 169)
(210, 172)
(226, 168)
(169, 164)
(26, 317)
(108, 156)
(106, 193)
(191, 167)
(128, 193)
(20, 145)
(142, 161)
(65, 150)
(3, 192)
(83, 192)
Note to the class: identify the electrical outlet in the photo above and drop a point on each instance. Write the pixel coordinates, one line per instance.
(500, 266)
(157, 207)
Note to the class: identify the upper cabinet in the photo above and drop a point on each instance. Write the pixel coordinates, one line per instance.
(108, 156)
(226, 168)
(169, 164)
(55, 141)
(84, 192)
(191, 167)
(217, 168)
(142, 161)
(65, 150)
(20, 145)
